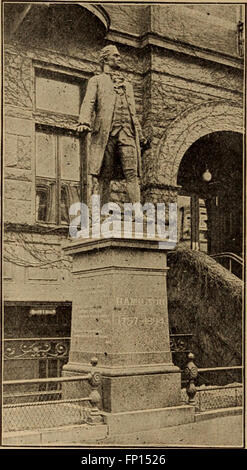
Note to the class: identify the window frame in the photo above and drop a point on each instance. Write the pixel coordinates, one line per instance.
(51, 73)
(46, 182)
(59, 123)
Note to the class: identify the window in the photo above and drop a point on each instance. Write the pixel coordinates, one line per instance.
(59, 151)
(42, 202)
(58, 93)
(58, 170)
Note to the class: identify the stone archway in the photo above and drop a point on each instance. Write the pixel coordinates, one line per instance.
(191, 125)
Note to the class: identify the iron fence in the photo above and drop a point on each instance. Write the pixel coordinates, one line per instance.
(45, 356)
(35, 357)
(220, 375)
(213, 388)
(43, 409)
(219, 397)
(49, 414)
(32, 348)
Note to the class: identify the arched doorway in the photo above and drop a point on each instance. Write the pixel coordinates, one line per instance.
(196, 122)
(210, 194)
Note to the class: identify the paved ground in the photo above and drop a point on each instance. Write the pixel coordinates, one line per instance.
(221, 431)
(217, 432)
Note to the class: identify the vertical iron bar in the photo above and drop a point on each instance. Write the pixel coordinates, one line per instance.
(194, 222)
(58, 178)
(199, 400)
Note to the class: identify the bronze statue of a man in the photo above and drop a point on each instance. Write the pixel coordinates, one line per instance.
(108, 112)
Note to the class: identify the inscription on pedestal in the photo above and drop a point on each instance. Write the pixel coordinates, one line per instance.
(127, 321)
(140, 301)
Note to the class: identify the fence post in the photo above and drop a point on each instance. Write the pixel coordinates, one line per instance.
(236, 397)
(94, 397)
(191, 372)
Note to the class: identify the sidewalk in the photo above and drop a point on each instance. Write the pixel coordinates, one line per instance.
(222, 431)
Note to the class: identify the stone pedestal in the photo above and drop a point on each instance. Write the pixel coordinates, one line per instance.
(119, 315)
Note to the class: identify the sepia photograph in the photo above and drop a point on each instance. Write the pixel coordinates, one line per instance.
(123, 228)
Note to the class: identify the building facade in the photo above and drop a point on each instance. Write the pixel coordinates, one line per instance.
(186, 66)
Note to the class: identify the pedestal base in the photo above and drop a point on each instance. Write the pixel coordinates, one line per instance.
(137, 421)
(119, 315)
(129, 389)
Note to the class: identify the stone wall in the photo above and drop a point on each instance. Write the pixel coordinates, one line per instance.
(197, 27)
(213, 27)
(166, 85)
(35, 268)
(18, 187)
(133, 19)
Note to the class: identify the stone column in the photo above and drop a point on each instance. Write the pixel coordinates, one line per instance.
(119, 315)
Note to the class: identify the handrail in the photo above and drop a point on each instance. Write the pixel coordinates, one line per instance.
(48, 402)
(228, 255)
(48, 380)
(212, 369)
(181, 335)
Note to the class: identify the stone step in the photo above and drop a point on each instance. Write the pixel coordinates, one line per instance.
(145, 420)
(218, 413)
(75, 434)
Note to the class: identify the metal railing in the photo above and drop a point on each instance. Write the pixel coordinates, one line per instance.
(32, 348)
(212, 398)
(36, 358)
(227, 260)
(52, 353)
(42, 409)
(210, 395)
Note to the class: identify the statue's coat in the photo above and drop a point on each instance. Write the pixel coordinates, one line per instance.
(100, 100)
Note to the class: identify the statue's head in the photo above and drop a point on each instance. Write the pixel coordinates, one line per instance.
(110, 56)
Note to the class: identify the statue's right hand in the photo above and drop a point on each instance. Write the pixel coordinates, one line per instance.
(83, 128)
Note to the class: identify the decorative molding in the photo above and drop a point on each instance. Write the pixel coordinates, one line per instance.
(36, 303)
(79, 246)
(43, 229)
(194, 123)
(129, 370)
(42, 348)
(155, 39)
(98, 11)
(112, 270)
(62, 69)
(203, 87)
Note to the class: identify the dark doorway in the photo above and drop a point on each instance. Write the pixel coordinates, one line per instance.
(211, 193)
